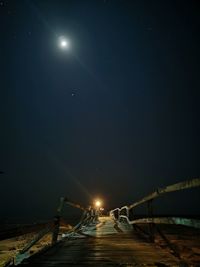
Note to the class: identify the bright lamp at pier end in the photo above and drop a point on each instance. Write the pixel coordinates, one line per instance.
(98, 203)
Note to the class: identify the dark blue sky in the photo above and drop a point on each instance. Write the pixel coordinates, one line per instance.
(116, 116)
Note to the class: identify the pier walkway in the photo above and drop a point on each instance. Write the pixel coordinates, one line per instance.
(120, 239)
(104, 244)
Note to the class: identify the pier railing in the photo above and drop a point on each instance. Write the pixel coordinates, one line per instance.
(123, 214)
(53, 227)
(126, 213)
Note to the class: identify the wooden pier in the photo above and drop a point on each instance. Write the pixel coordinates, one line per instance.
(104, 244)
(119, 239)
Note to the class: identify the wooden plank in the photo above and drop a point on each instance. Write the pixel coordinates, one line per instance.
(163, 220)
(171, 188)
(104, 246)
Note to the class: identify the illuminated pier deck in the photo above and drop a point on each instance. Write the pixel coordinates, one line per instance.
(120, 239)
(104, 244)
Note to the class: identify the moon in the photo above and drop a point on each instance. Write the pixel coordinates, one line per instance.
(63, 43)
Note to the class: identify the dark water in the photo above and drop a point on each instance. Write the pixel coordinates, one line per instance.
(15, 227)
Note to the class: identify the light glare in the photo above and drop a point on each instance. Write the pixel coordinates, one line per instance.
(98, 203)
(63, 43)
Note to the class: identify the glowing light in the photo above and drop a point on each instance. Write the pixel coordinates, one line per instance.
(63, 43)
(98, 203)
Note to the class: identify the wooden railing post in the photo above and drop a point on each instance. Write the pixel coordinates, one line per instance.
(56, 221)
(56, 229)
(151, 225)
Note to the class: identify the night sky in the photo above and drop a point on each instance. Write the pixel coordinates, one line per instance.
(114, 116)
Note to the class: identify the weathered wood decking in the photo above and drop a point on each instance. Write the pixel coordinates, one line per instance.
(104, 244)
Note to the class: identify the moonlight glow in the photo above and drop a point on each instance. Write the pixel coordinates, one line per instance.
(63, 43)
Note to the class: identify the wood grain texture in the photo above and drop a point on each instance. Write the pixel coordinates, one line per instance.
(104, 244)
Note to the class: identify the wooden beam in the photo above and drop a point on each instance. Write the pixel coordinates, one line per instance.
(171, 188)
